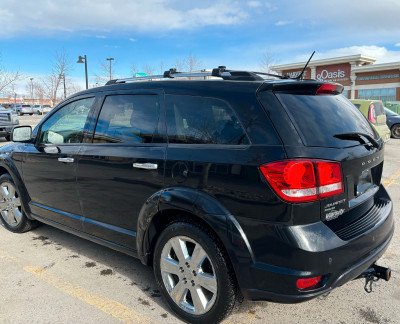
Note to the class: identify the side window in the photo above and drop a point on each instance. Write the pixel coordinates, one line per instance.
(202, 120)
(129, 119)
(67, 124)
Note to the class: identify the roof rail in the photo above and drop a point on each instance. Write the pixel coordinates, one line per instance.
(220, 72)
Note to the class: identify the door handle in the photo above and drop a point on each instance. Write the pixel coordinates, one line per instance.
(146, 166)
(66, 160)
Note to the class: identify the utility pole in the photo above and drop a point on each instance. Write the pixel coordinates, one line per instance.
(110, 59)
(32, 90)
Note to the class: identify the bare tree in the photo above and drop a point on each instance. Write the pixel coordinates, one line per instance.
(192, 63)
(268, 60)
(134, 69)
(180, 64)
(148, 69)
(106, 71)
(161, 66)
(7, 78)
(39, 91)
(72, 88)
(61, 65)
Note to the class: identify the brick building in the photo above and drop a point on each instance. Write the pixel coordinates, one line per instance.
(361, 78)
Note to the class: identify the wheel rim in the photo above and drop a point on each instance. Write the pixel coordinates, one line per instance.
(396, 131)
(188, 275)
(10, 204)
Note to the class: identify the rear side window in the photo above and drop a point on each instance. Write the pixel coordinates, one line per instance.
(319, 118)
(128, 119)
(202, 120)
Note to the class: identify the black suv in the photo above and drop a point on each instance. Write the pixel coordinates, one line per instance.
(270, 189)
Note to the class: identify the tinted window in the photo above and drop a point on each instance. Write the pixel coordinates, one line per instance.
(200, 120)
(129, 119)
(67, 124)
(319, 118)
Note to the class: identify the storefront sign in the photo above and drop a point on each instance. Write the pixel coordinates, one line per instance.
(335, 73)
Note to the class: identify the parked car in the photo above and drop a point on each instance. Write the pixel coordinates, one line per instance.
(8, 119)
(270, 188)
(393, 122)
(24, 110)
(41, 109)
(374, 111)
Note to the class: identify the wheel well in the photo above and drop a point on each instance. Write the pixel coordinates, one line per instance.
(162, 219)
(3, 170)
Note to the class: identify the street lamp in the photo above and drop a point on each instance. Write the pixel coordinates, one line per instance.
(110, 59)
(84, 60)
(32, 90)
(62, 77)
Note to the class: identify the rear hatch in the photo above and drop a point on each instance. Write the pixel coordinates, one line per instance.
(329, 127)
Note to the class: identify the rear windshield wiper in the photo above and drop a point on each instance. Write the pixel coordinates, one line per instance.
(361, 137)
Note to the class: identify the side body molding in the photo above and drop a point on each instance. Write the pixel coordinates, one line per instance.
(202, 206)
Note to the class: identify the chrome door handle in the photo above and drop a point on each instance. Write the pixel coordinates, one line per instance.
(66, 160)
(147, 166)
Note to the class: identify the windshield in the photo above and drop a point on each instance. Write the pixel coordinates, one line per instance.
(319, 118)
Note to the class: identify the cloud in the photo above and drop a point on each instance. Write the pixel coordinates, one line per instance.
(254, 4)
(283, 22)
(132, 40)
(397, 44)
(103, 15)
(381, 53)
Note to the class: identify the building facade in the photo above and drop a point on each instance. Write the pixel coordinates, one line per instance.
(361, 78)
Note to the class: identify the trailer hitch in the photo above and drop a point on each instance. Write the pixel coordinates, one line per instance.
(373, 274)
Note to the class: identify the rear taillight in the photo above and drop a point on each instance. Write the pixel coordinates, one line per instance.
(304, 180)
(328, 89)
(372, 114)
(308, 282)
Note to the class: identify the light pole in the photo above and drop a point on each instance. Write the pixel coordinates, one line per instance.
(84, 60)
(32, 90)
(62, 77)
(15, 102)
(110, 59)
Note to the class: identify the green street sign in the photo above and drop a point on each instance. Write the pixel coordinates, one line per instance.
(140, 74)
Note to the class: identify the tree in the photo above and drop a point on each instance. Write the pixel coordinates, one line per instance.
(61, 65)
(268, 60)
(134, 69)
(72, 88)
(106, 71)
(188, 64)
(7, 78)
(148, 69)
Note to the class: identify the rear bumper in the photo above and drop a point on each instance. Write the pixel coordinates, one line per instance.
(284, 254)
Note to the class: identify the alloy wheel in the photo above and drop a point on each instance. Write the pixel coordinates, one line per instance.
(188, 275)
(10, 204)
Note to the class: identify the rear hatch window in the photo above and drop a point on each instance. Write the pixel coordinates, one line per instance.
(319, 118)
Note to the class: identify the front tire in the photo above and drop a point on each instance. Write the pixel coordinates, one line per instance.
(12, 215)
(395, 131)
(194, 274)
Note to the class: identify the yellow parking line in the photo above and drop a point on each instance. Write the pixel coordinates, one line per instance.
(108, 306)
(392, 180)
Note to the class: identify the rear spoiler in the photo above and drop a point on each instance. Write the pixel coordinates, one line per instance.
(302, 87)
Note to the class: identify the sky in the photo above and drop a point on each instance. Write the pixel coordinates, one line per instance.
(234, 33)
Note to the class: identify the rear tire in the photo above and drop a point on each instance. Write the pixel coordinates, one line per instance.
(12, 215)
(395, 130)
(197, 279)
(30, 114)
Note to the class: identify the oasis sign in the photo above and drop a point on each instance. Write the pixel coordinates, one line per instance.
(336, 73)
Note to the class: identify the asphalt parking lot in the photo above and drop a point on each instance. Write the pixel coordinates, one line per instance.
(49, 276)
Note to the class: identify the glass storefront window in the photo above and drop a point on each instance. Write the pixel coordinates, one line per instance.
(384, 94)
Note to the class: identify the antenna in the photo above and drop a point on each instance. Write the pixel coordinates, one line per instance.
(301, 74)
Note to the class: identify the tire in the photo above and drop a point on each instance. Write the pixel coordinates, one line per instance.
(38, 112)
(192, 274)
(395, 131)
(30, 114)
(8, 138)
(13, 219)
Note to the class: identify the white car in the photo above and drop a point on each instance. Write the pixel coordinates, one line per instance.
(41, 109)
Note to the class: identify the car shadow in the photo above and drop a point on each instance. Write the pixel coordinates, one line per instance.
(110, 261)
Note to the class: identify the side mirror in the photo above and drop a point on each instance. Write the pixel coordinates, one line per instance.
(21, 133)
